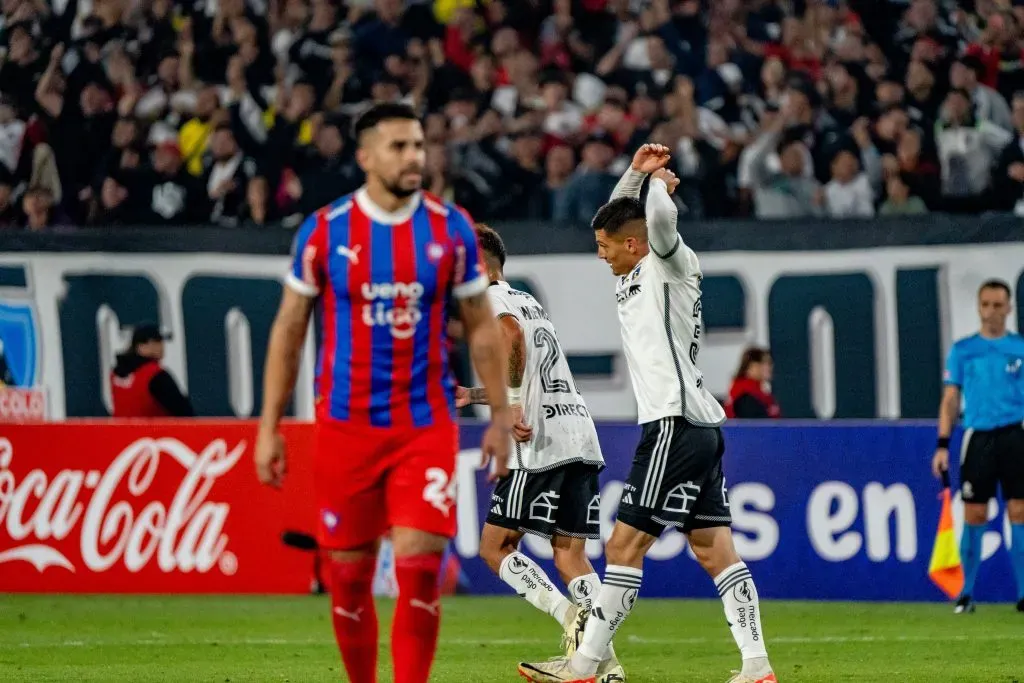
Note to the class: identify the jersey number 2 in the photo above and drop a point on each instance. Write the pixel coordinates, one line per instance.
(544, 340)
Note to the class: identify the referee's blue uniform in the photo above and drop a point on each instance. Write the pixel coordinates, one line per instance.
(990, 375)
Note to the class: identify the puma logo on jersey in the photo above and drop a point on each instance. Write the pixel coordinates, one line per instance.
(627, 294)
(433, 607)
(351, 254)
(354, 616)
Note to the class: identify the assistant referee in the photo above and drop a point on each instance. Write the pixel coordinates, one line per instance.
(988, 369)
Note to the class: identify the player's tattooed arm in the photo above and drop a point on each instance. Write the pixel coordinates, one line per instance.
(515, 342)
(485, 346)
(478, 395)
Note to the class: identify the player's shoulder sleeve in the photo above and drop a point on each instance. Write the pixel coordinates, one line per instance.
(468, 277)
(954, 373)
(673, 254)
(309, 256)
(501, 302)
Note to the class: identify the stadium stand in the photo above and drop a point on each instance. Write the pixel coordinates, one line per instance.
(237, 112)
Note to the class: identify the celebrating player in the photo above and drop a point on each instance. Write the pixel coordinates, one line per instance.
(676, 479)
(383, 263)
(987, 368)
(552, 490)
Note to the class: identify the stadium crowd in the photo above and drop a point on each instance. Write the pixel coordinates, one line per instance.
(237, 112)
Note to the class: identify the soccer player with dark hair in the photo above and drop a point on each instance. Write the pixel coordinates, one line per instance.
(383, 264)
(676, 479)
(552, 490)
(987, 370)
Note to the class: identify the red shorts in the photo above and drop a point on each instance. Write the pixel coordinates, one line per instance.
(370, 479)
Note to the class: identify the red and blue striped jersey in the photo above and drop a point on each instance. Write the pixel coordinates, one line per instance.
(384, 282)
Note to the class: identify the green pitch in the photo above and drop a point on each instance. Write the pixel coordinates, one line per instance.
(233, 639)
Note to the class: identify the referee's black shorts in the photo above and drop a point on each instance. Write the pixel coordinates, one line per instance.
(990, 457)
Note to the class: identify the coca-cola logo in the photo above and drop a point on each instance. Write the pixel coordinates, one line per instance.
(118, 522)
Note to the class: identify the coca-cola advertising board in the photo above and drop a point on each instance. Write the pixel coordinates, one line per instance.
(155, 507)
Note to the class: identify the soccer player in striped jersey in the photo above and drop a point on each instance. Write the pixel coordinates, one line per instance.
(676, 478)
(382, 264)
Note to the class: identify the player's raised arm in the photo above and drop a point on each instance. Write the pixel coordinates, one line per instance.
(662, 214)
(648, 159)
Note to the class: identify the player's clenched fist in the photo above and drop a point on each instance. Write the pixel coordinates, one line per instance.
(649, 158)
(670, 179)
(271, 464)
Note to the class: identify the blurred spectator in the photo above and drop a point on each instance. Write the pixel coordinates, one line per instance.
(899, 201)
(849, 193)
(781, 185)
(750, 394)
(323, 173)
(923, 176)
(592, 184)
(989, 105)
(967, 149)
(37, 206)
(228, 177)
(558, 168)
(1008, 178)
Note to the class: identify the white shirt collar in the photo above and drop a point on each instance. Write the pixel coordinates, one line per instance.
(379, 215)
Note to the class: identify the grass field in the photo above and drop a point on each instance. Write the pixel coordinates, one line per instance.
(232, 639)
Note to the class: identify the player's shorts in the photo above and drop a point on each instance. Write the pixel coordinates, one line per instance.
(990, 457)
(565, 501)
(676, 479)
(370, 479)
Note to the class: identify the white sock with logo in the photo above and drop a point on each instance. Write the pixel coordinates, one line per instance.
(613, 604)
(743, 613)
(583, 590)
(528, 580)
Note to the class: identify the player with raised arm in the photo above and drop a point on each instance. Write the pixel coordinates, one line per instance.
(987, 369)
(552, 490)
(383, 264)
(676, 478)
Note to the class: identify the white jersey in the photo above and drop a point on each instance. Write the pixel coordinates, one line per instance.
(563, 431)
(659, 304)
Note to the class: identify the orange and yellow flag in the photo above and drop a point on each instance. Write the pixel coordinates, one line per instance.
(944, 570)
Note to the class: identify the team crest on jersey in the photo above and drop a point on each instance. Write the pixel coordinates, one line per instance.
(435, 252)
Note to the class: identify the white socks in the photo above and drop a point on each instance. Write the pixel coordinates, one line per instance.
(613, 604)
(530, 582)
(743, 613)
(583, 590)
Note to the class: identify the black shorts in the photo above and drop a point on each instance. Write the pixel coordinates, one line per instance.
(991, 457)
(676, 479)
(565, 501)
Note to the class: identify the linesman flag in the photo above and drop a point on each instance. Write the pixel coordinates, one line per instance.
(944, 570)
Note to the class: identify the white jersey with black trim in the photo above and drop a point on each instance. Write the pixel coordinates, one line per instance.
(659, 305)
(563, 431)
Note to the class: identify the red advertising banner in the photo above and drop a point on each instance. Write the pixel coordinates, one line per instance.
(149, 507)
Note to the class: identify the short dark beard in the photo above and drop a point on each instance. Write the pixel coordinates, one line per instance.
(400, 192)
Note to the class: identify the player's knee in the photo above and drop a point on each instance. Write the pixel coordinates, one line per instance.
(714, 549)
(570, 561)
(1015, 511)
(495, 545)
(977, 513)
(627, 548)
